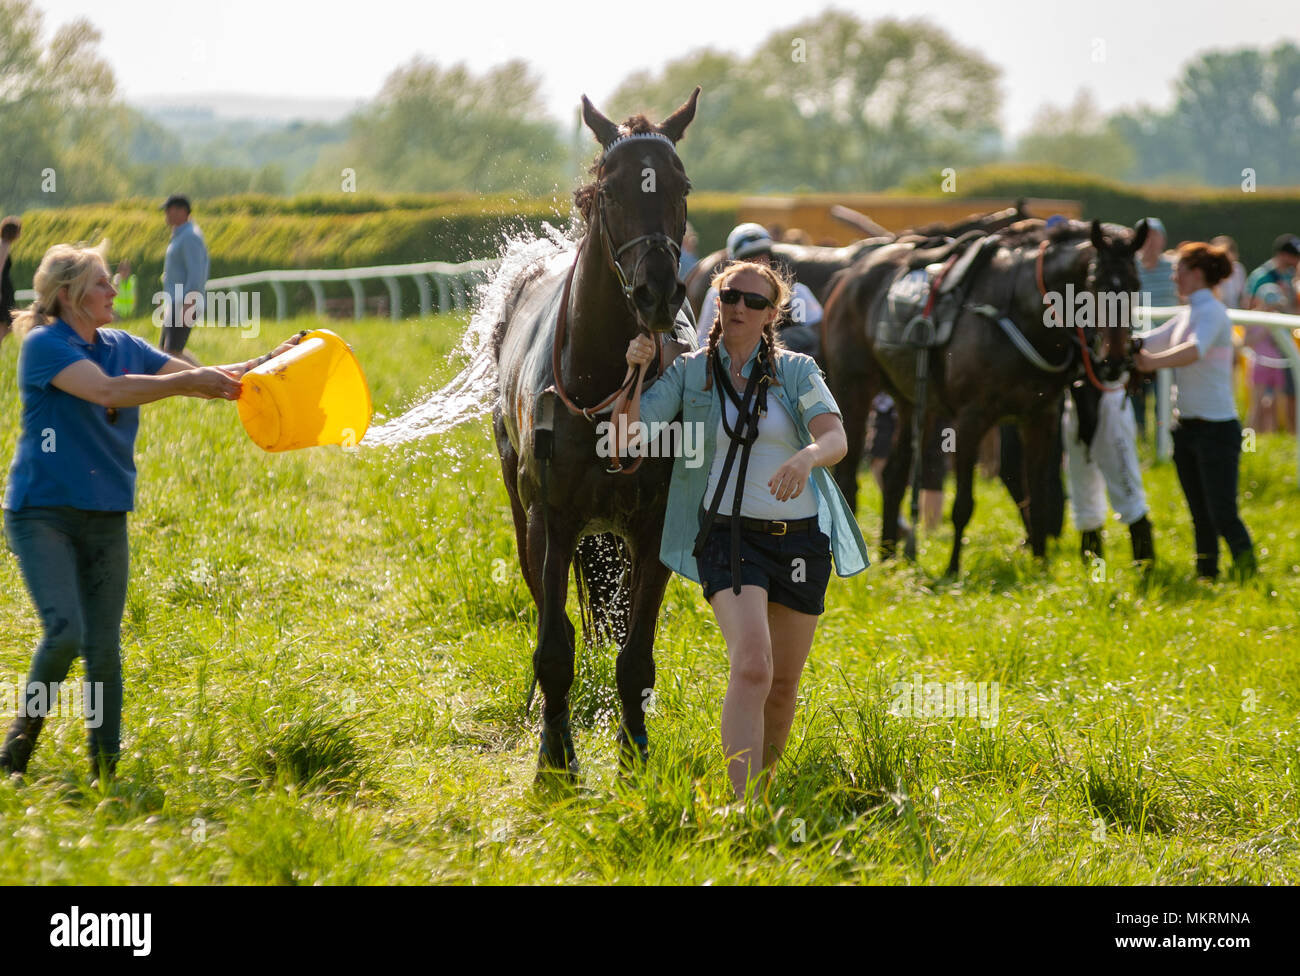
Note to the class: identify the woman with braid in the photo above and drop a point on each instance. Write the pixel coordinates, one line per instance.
(758, 521)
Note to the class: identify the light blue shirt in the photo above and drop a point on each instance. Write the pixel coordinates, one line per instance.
(1157, 288)
(1205, 387)
(186, 262)
(803, 393)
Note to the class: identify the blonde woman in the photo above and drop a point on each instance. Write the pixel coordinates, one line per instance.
(758, 521)
(73, 481)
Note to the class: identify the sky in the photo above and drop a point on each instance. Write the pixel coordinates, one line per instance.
(1125, 51)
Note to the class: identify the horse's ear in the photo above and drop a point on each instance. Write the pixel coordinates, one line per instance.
(1098, 238)
(605, 130)
(1139, 235)
(676, 124)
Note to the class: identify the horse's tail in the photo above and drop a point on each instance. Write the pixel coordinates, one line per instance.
(601, 571)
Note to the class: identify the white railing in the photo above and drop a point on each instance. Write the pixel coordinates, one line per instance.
(1284, 328)
(454, 283)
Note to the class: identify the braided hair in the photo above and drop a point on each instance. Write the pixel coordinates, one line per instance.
(782, 289)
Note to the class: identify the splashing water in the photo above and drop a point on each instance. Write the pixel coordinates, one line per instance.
(473, 392)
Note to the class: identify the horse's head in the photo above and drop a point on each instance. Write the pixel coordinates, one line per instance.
(637, 205)
(1114, 282)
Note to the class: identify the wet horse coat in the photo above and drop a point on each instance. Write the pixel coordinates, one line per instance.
(569, 506)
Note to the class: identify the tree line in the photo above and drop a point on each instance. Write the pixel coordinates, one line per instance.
(830, 103)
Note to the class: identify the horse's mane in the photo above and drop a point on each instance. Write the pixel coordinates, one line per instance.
(635, 125)
(1034, 231)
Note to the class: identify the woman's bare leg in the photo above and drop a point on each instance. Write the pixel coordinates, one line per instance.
(744, 623)
(792, 637)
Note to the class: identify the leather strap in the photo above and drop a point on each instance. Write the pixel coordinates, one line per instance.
(748, 411)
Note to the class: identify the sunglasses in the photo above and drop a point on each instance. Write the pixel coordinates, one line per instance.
(729, 296)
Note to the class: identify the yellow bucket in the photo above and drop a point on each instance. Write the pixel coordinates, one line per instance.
(311, 395)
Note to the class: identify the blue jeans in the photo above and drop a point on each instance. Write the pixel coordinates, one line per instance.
(75, 565)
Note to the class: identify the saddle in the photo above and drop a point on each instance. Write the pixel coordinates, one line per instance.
(923, 302)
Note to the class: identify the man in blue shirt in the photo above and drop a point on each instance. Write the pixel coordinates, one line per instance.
(185, 276)
(1156, 272)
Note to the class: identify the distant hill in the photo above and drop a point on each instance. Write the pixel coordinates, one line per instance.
(182, 110)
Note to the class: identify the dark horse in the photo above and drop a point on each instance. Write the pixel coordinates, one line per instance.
(564, 334)
(814, 266)
(980, 377)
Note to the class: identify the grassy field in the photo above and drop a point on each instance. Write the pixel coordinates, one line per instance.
(327, 657)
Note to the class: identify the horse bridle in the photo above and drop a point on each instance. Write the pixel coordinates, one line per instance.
(1084, 348)
(658, 241)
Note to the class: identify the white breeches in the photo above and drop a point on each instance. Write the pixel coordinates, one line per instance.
(1112, 469)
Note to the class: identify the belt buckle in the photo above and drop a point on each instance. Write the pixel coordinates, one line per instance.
(783, 527)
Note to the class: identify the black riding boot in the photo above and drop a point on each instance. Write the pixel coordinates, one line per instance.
(1090, 544)
(19, 743)
(1144, 547)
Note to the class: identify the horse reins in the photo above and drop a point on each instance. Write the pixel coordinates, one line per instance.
(618, 401)
(1083, 344)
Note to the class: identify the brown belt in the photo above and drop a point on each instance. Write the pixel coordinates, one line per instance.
(770, 527)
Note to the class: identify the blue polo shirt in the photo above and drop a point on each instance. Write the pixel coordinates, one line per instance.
(68, 452)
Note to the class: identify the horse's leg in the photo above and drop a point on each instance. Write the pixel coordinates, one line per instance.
(1011, 471)
(855, 401)
(1037, 431)
(510, 471)
(971, 428)
(635, 669)
(898, 470)
(551, 544)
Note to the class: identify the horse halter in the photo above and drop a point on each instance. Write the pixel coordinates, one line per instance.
(616, 402)
(657, 241)
(1084, 348)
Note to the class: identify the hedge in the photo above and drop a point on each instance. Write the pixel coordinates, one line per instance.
(1253, 219)
(251, 232)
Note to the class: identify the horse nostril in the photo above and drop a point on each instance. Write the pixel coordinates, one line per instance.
(647, 298)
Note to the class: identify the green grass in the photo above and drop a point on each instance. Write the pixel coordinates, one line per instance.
(327, 657)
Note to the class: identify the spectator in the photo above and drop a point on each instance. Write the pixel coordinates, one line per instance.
(1197, 344)
(799, 328)
(1278, 270)
(690, 252)
(10, 228)
(185, 277)
(124, 282)
(1271, 287)
(1157, 291)
(1272, 388)
(1232, 289)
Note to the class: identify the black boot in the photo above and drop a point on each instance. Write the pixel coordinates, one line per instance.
(103, 766)
(1244, 565)
(19, 743)
(1144, 547)
(1090, 545)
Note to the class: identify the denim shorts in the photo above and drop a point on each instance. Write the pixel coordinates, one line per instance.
(795, 568)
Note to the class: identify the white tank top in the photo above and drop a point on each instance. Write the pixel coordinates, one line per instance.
(777, 442)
